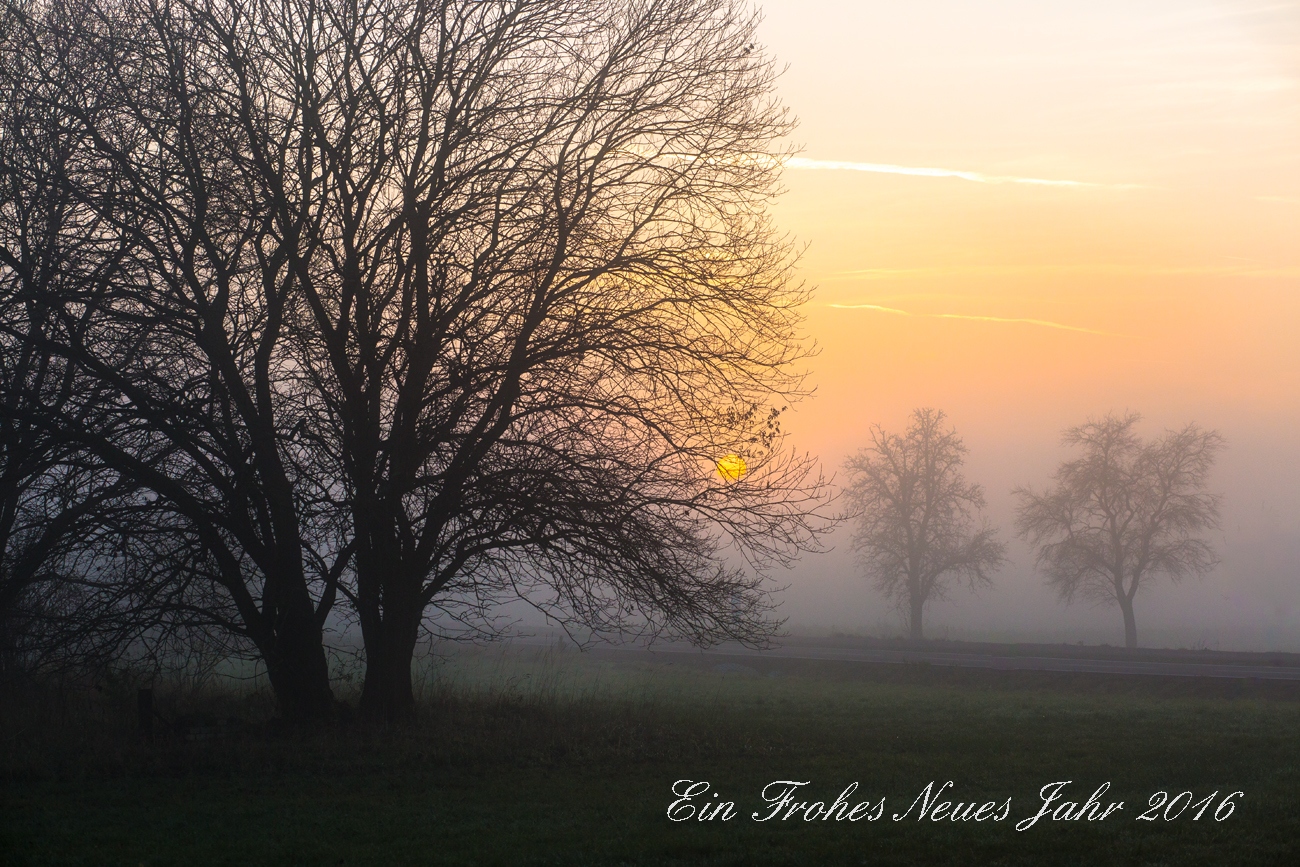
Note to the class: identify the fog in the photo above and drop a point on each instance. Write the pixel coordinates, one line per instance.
(1250, 601)
(1027, 215)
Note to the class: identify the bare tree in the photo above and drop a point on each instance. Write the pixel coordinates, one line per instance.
(1124, 513)
(51, 497)
(171, 334)
(915, 515)
(543, 299)
(435, 304)
(583, 308)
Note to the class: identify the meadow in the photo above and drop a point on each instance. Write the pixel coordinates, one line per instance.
(555, 757)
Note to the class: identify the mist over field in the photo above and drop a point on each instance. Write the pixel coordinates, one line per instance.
(1032, 215)
(380, 380)
(1250, 601)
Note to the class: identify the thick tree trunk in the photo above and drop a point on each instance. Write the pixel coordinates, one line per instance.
(1130, 624)
(386, 695)
(289, 637)
(391, 612)
(299, 671)
(915, 623)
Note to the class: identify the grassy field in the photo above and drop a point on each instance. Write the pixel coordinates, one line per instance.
(567, 759)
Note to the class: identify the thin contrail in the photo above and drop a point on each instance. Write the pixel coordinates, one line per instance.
(977, 177)
(1043, 322)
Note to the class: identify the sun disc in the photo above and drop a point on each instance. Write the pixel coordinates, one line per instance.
(732, 467)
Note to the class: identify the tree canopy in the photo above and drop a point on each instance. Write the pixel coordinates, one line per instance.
(396, 309)
(1124, 512)
(915, 512)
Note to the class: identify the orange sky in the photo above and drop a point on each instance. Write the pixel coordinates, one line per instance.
(1178, 239)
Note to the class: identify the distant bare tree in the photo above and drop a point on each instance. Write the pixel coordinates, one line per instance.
(1124, 512)
(915, 515)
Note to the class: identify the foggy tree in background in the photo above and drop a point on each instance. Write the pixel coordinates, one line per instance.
(915, 513)
(1124, 513)
(427, 306)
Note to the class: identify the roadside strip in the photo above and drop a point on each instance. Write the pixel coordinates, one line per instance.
(967, 660)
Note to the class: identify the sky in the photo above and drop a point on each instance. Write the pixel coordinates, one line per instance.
(1027, 214)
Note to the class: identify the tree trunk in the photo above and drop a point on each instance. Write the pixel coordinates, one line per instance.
(299, 671)
(391, 612)
(386, 695)
(1130, 625)
(915, 623)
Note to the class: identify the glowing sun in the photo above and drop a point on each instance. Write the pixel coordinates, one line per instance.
(731, 467)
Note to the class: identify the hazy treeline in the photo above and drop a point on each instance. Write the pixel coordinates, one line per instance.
(1118, 516)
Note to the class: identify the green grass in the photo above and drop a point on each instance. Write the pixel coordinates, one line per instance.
(569, 760)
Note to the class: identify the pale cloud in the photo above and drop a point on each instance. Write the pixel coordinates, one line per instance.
(1041, 322)
(977, 177)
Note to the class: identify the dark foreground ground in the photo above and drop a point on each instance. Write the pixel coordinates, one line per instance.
(568, 759)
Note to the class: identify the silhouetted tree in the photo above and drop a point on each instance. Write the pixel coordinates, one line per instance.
(560, 303)
(165, 322)
(1124, 513)
(915, 515)
(51, 498)
(435, 304)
